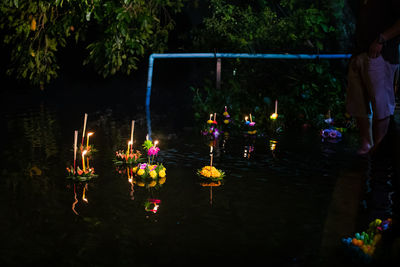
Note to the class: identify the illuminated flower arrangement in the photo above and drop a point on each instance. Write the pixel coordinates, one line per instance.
(250, 125)
(150, 172)
(121, 157)
(363, 245)
(211, 127)
(80, 175)
(211, 173)
(331, 135)
(86, 172)
(227, 117)
(129, 156)
(145, 171)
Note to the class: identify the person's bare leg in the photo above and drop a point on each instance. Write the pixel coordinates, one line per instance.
(379, 129)
(364, 126)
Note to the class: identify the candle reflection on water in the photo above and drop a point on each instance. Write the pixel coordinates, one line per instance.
(76, 201)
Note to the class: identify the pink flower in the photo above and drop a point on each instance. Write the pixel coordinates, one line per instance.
(142, 166)
(153, 151)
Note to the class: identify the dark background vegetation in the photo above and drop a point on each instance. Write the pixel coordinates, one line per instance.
(102, 61)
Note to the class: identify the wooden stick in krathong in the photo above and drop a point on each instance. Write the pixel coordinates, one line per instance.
(75, 149)
(132, 130)
(84, 127)
(211, 156)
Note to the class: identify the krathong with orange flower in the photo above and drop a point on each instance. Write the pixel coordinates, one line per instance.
(129, 156)
(76, 173)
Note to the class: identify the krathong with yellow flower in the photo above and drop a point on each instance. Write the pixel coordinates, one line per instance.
(211, 173)
(150, 172)
(149, 176)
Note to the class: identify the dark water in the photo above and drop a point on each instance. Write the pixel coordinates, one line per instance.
(275, 207)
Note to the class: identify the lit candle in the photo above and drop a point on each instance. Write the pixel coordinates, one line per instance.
(215, 116)
(246, 118)
(87, 140)
(147, 137)
(210, 116)
(155, 143)
(83, 160)
(127, 151)
(251, 119)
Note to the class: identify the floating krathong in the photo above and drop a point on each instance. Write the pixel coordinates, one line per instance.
(75, 172)
(331, 135)
(227, 117)
(150, 172)
(362, 246)
(250, 125)
(129, 156)
(210, 173)
(211, 127)
(274, 115)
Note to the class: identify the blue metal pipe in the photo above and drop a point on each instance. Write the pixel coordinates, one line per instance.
(224, 55)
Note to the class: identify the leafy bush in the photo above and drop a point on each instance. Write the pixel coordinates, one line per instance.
(122, 32)
(306, 89)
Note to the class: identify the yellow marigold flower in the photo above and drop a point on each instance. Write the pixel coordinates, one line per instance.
(210, 121)
(226, 121)
(141, 184)
(152, 184)
(153, 174)
(140, 172)
(162, 180)
(162, 173)
(225, 113)
(134, 169)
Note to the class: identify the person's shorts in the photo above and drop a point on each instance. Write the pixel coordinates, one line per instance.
(370, 89)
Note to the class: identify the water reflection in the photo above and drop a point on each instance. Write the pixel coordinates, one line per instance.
(237, 218)
(152, 185)
(79, 187)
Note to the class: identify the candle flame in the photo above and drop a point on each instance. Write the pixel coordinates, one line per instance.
(274, 116)
(84, 152)
(246, 118)
(90, 134)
